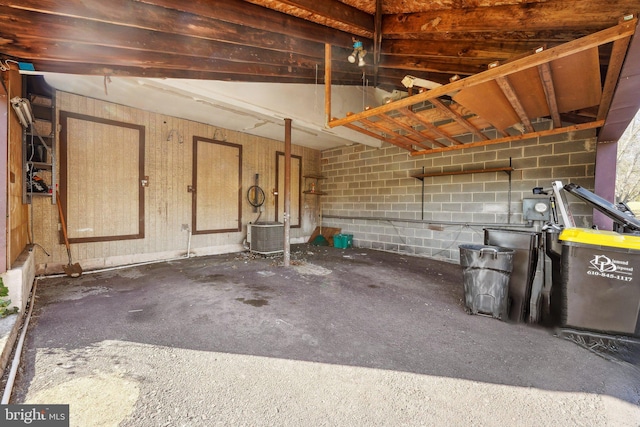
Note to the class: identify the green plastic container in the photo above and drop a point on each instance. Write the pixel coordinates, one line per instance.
(343, 241)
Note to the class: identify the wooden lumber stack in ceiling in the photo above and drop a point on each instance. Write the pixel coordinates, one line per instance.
(563, 84)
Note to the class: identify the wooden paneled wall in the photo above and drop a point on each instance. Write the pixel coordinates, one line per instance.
(18, 223)
(168, 203)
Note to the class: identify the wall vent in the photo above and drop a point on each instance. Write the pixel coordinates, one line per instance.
(266, 237)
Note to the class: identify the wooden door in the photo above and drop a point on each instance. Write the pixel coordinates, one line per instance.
(102, 168)
(217, 177)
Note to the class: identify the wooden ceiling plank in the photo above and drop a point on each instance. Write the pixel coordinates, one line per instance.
(496, 50)
(252, 16)
(451, 66)
(543, 16)
(130, 71)
(430, 127)
(550, 93)
(142, 41)
(616, 60)
(333, 10)
(113, 57)
(512, 97)
(582, 71)
(623, 30)
(458, 118)
(72, 15)
(539, 134)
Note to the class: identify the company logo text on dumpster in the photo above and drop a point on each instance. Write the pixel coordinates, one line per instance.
(603, 266)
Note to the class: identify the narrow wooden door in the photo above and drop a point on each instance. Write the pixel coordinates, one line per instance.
(217, 177)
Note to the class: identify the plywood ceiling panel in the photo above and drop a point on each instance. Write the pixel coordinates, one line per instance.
(488, 101)
(582, 71)
(528, 87)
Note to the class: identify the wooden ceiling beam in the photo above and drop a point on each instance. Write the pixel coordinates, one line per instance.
(400, 140)
(488, 50)
(544, 70)
(154, 72)
(326, 10)
(253, 16)
(458, 118)
(394, 140)
(520, 35)
(372, 134)
(522, 137)
(510, 93)
(460, 66)
(616, 60)
(416, 134)
(579, 15)
(430, 127)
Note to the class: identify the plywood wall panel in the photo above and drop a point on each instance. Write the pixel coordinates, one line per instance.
(168, 163)
(18, 222)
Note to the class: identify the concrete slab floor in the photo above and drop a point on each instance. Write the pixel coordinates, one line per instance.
(343, 337)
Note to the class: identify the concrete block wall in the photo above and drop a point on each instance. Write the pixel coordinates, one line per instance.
(372, 195)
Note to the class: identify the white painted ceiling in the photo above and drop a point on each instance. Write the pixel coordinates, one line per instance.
(254, 108)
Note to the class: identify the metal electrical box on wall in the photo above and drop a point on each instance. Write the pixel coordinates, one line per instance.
(536, 209)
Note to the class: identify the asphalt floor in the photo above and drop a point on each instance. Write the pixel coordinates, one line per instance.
(341, 337)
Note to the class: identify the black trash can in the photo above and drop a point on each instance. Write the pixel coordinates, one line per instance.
(485, 272)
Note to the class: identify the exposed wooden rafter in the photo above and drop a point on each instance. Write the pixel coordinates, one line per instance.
(510, 96)
(550, 93)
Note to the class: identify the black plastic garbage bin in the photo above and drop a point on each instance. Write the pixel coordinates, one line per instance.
(485, 272)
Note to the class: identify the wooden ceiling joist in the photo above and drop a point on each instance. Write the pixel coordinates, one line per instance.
(430, 127)
(559, 82)
(415, 136)
(458, 118)
(510, 93)
(387, 128)
(550, 93)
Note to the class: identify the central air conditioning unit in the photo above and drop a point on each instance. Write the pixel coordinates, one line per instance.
(266, 237)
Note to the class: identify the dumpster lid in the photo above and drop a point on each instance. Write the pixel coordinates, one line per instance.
(600, 238)
(625, 219)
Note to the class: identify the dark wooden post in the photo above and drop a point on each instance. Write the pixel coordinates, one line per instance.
(287, 191)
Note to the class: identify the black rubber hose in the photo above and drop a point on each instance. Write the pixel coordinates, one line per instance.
(258, 196)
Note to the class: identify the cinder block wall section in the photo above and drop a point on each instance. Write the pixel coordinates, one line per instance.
(372, 195)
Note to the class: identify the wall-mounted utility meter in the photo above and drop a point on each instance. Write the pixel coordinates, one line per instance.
(536, 209)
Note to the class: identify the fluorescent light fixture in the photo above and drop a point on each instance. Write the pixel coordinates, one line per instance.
(22, 107)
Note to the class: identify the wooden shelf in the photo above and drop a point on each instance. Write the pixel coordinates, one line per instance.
(421, 176)
(314, 191)
(41, 165)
